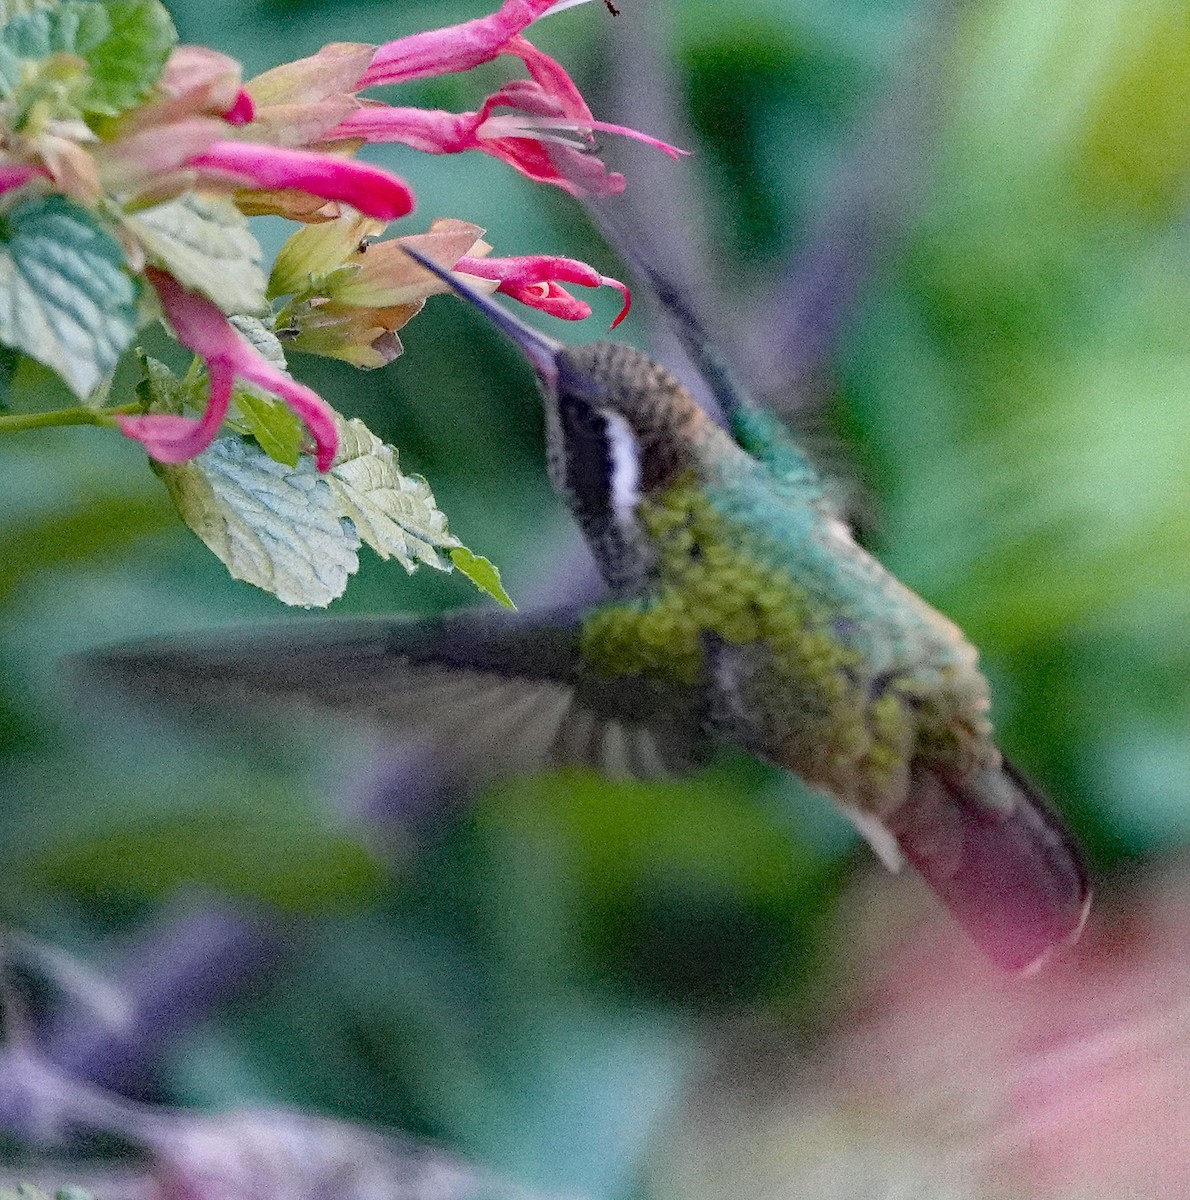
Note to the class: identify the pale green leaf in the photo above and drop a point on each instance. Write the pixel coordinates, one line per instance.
(65, 298)
(272, 423)
(124, 43)
(394, 513)
(204, 242)
(15, 8)
(483, 573)
(276, 527)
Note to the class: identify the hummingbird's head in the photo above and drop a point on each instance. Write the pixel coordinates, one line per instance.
(606, 396)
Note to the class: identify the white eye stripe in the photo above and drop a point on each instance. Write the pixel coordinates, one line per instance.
(624, 460)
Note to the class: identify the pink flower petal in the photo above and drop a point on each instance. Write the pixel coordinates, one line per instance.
(456, 48)
(533, 280)
(537, 140)
(202, 328)
(550, 76)
(242, 111)
(518, 126)
(15, 175)
(366, 188)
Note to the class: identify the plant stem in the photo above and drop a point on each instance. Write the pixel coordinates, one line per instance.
(12, 422)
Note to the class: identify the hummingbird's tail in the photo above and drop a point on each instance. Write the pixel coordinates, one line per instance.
(1001, 860)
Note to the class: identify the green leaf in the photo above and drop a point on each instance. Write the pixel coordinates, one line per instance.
(394, 513)
(262, 339)
(130, 59)
(160, 391)
(274, 425)
(124, 43)
(483, 573)
(276, 527)
(204, 242)
(65, 298)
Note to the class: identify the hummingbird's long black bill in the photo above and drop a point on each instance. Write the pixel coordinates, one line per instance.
(540, 350)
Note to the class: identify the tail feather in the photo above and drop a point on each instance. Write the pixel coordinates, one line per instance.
(1000, 859)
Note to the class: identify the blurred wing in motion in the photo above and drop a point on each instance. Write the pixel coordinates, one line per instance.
(498, 694)
(1000, 859)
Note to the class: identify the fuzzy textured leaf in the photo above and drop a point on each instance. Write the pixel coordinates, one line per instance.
(262, 339)
(483, 573)
(124, 42)
(204, 242)
(65, 298)
(394, 513)
(273, 526)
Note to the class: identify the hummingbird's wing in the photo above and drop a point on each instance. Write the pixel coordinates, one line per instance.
(499, 693)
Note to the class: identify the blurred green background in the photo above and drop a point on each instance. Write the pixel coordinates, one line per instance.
(532, 980)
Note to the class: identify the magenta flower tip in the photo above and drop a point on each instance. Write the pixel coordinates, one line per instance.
(171, 439)
(622, 288)
(243, 110)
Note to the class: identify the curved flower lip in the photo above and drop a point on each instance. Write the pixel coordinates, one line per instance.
(368, 189)
(455, 48)
(202, 328)
(15, 175)
(534, 280)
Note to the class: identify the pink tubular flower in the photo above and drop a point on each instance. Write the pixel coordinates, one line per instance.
(548, 137)
(366, 188)
(202, 328)
(456, 48)
(540, 139)
(533, 280)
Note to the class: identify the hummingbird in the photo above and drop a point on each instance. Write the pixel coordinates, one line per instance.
(740, 611)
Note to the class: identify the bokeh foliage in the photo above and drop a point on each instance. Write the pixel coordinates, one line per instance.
(532, 978)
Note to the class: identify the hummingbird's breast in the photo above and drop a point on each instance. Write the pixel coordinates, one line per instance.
(812, 655)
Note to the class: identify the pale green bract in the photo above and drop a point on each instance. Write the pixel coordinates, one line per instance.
(65, 298)
(204, 242)
(274, 526)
